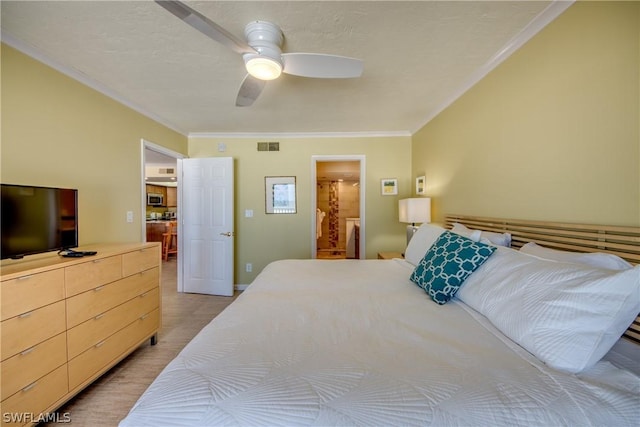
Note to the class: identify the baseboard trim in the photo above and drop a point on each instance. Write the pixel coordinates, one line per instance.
(241, 287)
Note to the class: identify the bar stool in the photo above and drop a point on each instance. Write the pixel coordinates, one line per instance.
(168, 240)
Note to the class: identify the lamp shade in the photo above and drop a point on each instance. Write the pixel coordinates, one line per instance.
(417, 209)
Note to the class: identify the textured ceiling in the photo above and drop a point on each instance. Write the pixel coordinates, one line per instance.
(418, 57)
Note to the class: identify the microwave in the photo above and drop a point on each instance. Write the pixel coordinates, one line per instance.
(155, 199)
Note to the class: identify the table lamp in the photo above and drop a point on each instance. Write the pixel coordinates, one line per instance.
(412, 211)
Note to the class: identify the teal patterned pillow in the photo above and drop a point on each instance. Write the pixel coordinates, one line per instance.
(448, 263)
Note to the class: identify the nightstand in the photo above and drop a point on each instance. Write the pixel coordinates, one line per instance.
(389, 255)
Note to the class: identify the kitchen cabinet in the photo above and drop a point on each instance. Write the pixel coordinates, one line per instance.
(155, 229)
(172, 197)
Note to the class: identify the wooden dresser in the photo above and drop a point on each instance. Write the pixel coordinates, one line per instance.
(66, 321)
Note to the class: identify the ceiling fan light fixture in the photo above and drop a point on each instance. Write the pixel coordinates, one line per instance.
(264, 68)
(262, 53)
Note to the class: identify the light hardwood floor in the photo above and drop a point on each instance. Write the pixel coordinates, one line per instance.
(108, 400)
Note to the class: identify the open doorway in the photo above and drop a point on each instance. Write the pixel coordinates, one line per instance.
(160, 180)
(338, 207)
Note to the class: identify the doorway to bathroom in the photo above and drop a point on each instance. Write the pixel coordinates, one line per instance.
(338, 207)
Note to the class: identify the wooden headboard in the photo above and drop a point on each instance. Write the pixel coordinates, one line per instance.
(621, 241)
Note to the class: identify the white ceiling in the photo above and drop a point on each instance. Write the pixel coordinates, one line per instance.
(418, 57)
(154, 158)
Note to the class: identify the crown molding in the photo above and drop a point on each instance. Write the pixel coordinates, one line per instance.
(82, 78)
(283, 135)
(551, 12)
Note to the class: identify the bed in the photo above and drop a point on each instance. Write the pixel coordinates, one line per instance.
(350, 342)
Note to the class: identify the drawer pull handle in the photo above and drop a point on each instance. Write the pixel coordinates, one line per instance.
(144, 316)
(99, 316)
(100, 343)
(30, 386)
(25, 277)
(27, 314)
(95, 261)
(143, 295)
(99, 288)
(27, 351)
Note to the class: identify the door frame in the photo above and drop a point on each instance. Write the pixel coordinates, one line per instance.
(148, 145)
(314, 196)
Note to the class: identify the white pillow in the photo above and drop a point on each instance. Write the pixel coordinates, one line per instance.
(567, 315)
(466, 232)
(625, 354)
(596, 259)
(421, 241)
(488, 237)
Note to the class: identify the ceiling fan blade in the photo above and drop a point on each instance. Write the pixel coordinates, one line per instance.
(206, 26)
(249, 91)
(321, 66)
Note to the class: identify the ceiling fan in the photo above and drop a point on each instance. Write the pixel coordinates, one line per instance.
(262, 53)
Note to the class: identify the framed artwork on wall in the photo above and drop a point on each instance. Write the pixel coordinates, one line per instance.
(280, 194)
(389, 186)
(420, 184)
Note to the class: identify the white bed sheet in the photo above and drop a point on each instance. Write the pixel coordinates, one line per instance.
(348, 343)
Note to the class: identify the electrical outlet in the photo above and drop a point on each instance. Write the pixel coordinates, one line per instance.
(129, 216)
(248, 213)
(248, 267)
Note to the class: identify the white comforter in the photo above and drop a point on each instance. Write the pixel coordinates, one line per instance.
(349, 343)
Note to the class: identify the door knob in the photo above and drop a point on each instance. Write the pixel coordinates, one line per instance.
(228, 234)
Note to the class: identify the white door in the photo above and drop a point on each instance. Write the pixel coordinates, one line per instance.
(207, 225)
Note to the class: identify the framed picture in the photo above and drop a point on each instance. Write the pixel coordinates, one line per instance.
(420, 181)
(280, 194)
(389, 186)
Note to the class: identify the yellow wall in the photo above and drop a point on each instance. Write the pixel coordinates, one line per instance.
(264, 238)
(552, 133)
(57, 132)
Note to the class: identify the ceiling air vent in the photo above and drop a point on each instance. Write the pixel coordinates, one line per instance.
(268, 146)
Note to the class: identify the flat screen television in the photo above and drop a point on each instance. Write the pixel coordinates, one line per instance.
(37, 219)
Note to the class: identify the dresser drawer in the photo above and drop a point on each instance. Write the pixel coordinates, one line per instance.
(97, 358)
(24, 368)
(144, 259)
(88, 275)
(100, 327)
(89, 304)
(37, 397)
(31, 291)
(28, 329)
